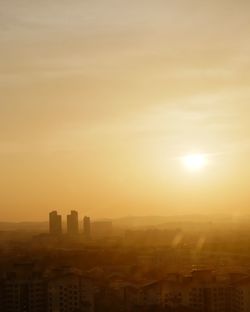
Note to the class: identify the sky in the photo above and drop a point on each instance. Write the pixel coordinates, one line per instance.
(100, 99)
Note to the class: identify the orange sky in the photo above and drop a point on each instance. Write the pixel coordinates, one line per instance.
(99, 99)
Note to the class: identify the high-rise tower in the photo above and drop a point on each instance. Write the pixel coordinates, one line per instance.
(86, 227)
(72, 223)
(55, 223)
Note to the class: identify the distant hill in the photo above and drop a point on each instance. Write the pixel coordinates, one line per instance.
(162, 221)
(134, 222)
(24, 226)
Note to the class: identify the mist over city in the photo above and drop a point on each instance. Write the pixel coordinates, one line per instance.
(124, 156)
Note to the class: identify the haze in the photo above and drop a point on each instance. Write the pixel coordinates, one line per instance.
(100, 99)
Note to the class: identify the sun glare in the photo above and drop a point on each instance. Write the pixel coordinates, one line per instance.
(194, 162)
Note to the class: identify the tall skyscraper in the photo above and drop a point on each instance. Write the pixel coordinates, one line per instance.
(55, 223)
(86, 227)
(72, 223)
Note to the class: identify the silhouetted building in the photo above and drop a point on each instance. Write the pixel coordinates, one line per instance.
(24, 290)
(72, 223)
(70, 292)
(86, 227)
(55, 223)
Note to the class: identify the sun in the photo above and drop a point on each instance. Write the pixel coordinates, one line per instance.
(194, 162)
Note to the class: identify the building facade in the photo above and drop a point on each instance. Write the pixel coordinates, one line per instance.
(55, 223)
(72, 223)
(86, 227)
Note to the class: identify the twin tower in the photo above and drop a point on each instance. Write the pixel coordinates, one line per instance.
(55, 224)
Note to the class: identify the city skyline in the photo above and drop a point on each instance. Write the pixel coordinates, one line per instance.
(124, 156)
